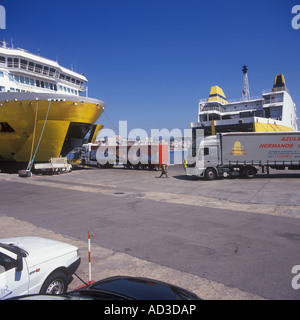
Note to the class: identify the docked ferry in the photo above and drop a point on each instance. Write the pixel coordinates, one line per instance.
(273, 111)
(44, 108)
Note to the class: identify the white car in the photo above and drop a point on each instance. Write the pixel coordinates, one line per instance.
(33, 265)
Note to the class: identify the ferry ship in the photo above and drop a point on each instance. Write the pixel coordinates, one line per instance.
(273, 111)
(42, 111)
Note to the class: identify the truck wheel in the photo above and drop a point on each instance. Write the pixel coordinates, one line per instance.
(210, 174)
(56, 284)
(250, 172)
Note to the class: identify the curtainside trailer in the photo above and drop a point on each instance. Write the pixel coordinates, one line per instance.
(129, 156)
(241, 154)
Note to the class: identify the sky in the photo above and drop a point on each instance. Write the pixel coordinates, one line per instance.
(151, 61)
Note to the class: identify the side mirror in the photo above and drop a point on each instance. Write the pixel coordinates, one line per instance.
(19, 263)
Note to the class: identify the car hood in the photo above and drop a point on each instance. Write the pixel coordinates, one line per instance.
(40, 249)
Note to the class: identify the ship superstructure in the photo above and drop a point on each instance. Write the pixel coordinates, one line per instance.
(42, 111)
(273, 111)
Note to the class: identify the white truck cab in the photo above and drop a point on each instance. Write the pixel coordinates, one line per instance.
(33, 265)
(203, 158)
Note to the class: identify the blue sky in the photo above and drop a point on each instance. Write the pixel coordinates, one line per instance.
(152, 61)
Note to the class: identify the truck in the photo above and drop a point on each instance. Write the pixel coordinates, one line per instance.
(134, 156)
(242, 154)
(34, 265)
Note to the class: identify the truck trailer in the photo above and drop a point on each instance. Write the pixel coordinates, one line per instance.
(129, 156)
(241, 154)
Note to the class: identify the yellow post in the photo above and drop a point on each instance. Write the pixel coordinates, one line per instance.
(213, 129)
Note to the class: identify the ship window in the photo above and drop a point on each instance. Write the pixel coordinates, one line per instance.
(27, 80)
(16, 63)
(31, 82)
(259, 113)
(276, 113)
(62, 76)
(17, 78)
(52, 72)
(42, 84)
(51, 86)
(30, 66)
(38, 68)
(22, 80)
(203, 118)
(68, 78)
(46, 85)
(246, 114)
(12, 89)
(2, 89)
(55, 87)
(65, 89)
(24, 64)
(9, 62)
(46, 71)
(78, 82)
(2, 59)
(1, 74)
(37, 82)
(73, 80)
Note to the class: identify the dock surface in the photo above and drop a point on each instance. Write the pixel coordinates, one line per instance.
(224, 239)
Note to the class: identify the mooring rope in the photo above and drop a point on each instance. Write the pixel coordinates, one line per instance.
(41, 136)
(34, 130)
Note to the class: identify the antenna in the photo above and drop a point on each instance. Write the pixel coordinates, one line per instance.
(246, 89)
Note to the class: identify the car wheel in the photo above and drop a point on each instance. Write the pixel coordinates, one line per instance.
(56, 283)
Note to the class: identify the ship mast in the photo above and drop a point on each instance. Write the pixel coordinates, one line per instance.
(246, 89)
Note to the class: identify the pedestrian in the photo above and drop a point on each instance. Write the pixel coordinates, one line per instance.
(164, 170)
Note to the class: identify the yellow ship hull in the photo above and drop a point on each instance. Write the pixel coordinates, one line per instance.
(44, 126)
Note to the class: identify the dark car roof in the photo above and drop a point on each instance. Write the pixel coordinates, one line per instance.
(139, 289)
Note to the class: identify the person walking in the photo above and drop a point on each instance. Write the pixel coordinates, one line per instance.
(164, 170)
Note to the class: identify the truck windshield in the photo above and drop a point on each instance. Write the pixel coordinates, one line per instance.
(193, 151)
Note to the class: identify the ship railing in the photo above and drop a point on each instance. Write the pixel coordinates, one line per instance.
(34, 71)
(211, 108)
(50, 75)
(276, 90)
(253, 98)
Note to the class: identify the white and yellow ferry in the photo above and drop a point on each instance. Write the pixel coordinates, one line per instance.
(42, 111)
(273, 111)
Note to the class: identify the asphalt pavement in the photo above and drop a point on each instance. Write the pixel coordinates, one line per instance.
(225, 239)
